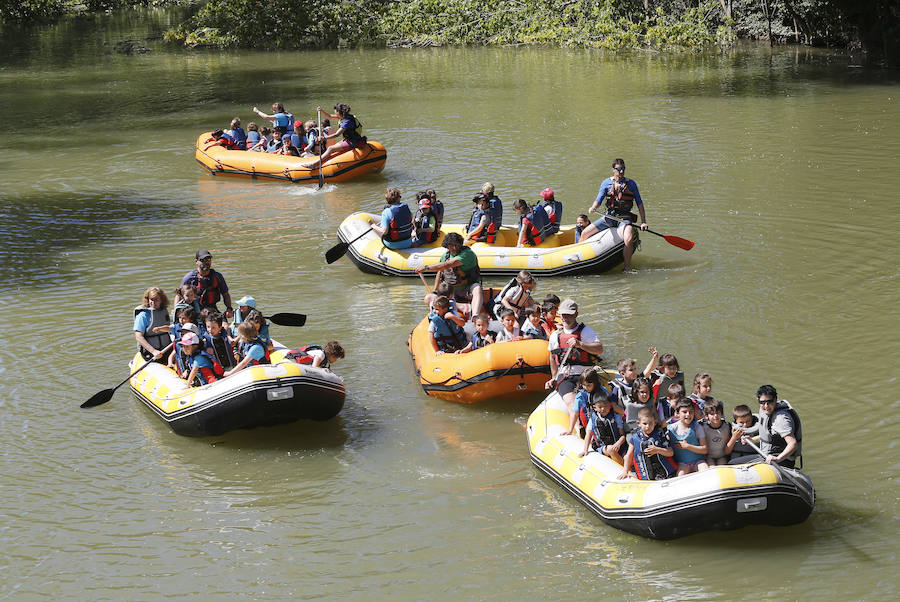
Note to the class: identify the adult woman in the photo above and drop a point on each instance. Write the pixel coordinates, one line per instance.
(280, 118)
(348, 128)
(396, 224)
(151, 324)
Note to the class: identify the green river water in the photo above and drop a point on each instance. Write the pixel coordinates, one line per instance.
(783, 165)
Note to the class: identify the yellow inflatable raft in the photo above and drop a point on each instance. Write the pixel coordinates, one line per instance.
(263, 395)
(499, 370)
(217, 160)
(558, 255)
(723, 497)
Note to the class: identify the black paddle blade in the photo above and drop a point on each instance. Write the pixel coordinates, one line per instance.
(288, 319)
(99, 398)
(336, 252)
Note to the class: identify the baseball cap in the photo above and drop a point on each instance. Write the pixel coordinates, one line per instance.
(568, 306)
(248, 301)
(190, 338)
(202, 254)
(547, 193)
(298, 123)
(426, 202)
(190, 327)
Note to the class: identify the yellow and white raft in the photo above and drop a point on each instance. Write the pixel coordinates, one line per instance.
(263, 395)
(723, 497)
(557, 256)
(217, 160)
(507, 369)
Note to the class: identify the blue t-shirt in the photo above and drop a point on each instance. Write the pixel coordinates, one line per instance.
(607, 185)
(686, 456)
(200, 361)
(256, 352)
(583, 398)
(142, 321)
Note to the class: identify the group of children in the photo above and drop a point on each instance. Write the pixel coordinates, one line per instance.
(520, 316)
(206, 347)
(648, 424)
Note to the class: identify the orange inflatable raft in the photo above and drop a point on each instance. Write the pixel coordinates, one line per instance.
(507, 369)
(217, 160)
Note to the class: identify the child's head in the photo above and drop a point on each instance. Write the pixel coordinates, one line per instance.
(247, 331)
(187, 314)
(675, 392)
(743, 417)
(589, 380)
(646, 420)
(702, 384)
(533, 314)
(441, 304)
(713, 413)
(278, 107)
(443, 289)
(276, 134)
(326, 123)
(288, 143)
(526, 280)
(266, 131)
(252, 127)
(551, 298)
(521, 206)
(189, 343)
(602, 404)
(299, 128)
(548, 308)
(213, 322)
(246, 304)
(187, 292)
(235, 123)
(668, 364)
(482, 321)
(482, 202)
(627, 367)
(255, 317)
(508, 317)
(431, 193)
(641, 391)
(333, 351)
(155, 295)
(582, 221)
(685, 411)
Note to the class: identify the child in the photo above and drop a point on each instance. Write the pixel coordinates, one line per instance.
(718, 435)
(627, 372)
(517, 297)
(245, 304)
(665, 407)
(264, 139)
(531, 327)
(251, 350)
(187, 294)
(237, 134)
(641, 397)
(701, 393)
(689, 442)
(275, 142)
(481, 226)
(424, 221)
(510, 331)
(184, 314)
(590, 387)
(648, 450)
(216, 340)
(531, 223)
(605, 427)
(581, 222)
(666, 372)
(288, 148)
(177, 358)
(262, 327)
(316, 355)
(203, 368)
(445, 328)
(745, 423)
(252, 135)
(548, 316)
(482, 337)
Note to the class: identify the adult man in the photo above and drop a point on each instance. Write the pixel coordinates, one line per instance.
(779, 428)
(210, 283)
(585, 347)
(459, 268)
(620, 194)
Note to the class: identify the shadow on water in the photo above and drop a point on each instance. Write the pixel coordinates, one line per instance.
(39, 232)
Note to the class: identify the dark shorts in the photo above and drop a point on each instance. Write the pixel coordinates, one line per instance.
(604, 222)
(568, 384)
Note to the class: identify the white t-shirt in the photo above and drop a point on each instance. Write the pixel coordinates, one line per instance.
(587, 336)
(505, 335)
(316, 353)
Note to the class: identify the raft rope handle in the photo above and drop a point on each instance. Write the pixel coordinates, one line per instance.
(519, 364)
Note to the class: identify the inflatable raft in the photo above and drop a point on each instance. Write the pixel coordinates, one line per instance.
(505, 369)
(217, 160)
(557, 256)
(263, 395)
(723, 497)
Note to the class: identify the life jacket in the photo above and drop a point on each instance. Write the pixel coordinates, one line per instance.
(717, 439)
(301, 355)
(578, 230)
(421, 221)
(539, 218)
(488, 234)
(517, 301)
(181, 361)
(401, 223)
(606, 431)
(239, 137)
(661, 383)
(285, 120)
(437, 209)
(553, 209)
(243, 348)
(549, 326)
(299, 142)
(657, 466)
(205, 374)
(770, 441)
(457, 277)
(252, 137)
(221, 349)
(449, 335)
(159, 340)
(631, 413)
(208, 287)
(622, 389)
(351, 127)
(478, 341)
(496, 211)
(619, 198)
(317, 146)
(578, 357)
(532, 232)
(743, 449)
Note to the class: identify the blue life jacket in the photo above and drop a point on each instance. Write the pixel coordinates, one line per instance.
(285, 120)
(553, 209)
(449, 335)
(252, 137)
(244, 347)
(606, 431)
(496, 211)
(239, 137)
(350, 126)
(539, 217)
(204, 374)
(489, 233)
(655, 467)
(298, 141)
(401, 223)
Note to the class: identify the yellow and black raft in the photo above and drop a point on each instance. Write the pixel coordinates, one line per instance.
(721, 498)
(558, 255)
(217, 160)
(509, 369)
(264, 395)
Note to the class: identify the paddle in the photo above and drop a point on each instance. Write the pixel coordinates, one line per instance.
(425, 282)
(321, 149)
(338, 250)
(287, 319)
(105, 395)
(681, 243)
(559, 371)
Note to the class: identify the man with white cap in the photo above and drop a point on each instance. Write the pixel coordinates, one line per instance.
(584, 345)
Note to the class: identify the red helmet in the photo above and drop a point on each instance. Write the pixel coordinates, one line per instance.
(547, 193)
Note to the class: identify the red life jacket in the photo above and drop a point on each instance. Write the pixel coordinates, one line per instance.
(245, 347)
(619, 198)
(209, 375)
(578, 357)
(301, 355)
(208, 288)
(532, 232)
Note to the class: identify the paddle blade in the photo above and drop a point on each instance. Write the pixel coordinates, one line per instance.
(288, 319)
(681, 243)
(99, 398)
(336, 252)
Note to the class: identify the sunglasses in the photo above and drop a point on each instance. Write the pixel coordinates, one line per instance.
(766, 401)
(619, 169)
